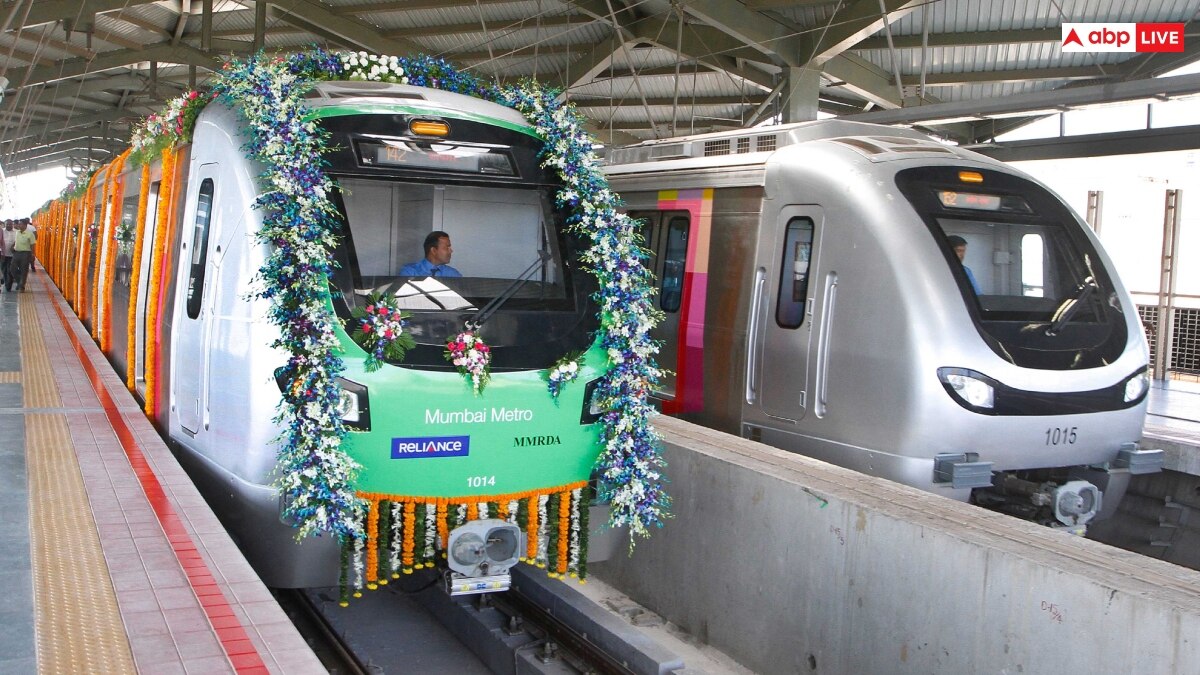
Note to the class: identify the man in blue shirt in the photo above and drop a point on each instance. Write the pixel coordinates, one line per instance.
(960, 247)
(436, 261)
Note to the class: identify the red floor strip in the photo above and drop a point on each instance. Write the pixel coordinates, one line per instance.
(234, 641)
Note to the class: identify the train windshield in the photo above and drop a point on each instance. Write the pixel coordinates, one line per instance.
(501, 243)
(502, 263)
(1030, 276)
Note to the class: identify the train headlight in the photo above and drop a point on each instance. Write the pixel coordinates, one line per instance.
(354, 406)
(1136, 386)
(968, 387)
(480, 554)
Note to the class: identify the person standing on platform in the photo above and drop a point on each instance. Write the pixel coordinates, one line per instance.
(6, 250)
(22, 257)
(32, 264)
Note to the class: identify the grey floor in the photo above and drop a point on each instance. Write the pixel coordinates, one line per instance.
(18, 650)
(1175, 404)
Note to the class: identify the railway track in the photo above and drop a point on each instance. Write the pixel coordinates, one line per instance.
(412, 625)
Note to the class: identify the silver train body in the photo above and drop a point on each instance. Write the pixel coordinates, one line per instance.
(815, 301)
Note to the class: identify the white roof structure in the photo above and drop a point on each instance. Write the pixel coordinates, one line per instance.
(80, 71)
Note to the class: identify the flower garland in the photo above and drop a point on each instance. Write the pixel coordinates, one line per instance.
(114, 249)
(563, 372)
(85, 244)
(629, 465)
(106, 255)
(169, 128)
(372, 67)
(379, 330)
(166, 195)
(135, 279)
(473, 358)
(299, 222)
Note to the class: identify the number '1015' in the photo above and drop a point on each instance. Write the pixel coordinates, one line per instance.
(1061, 435)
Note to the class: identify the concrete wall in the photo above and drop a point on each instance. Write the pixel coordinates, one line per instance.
(790, 565)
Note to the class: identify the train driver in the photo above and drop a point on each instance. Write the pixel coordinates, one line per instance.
(960, 247)
(436, 261)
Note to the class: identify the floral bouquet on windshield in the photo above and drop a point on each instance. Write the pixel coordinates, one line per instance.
(379, 330)
(472, 357)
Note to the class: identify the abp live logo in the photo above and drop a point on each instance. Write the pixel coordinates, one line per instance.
(1122, 37)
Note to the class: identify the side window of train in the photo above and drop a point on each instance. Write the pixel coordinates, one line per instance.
(674, 257)
(793, 273)
(195, 289)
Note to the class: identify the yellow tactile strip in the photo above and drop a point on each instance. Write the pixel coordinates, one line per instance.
(37, 375)
(78, 624)
(10, 377)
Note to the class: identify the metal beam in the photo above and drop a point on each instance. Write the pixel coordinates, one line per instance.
(769, 37)
(972, 39)
(863, 78)
(1064, 98)
(1096, 145)
(605, 102)
(49, 11)
(150, 27)
(322, 21)
(74, 122)
(117, 59)
(415, 5)
(60, 45)
(1016, 75)
(850, 26)
(760, 5)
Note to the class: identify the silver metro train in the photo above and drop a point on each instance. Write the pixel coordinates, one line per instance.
(818, 299)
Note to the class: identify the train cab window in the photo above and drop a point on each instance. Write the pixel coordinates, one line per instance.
(793, 273)
(674, 264)
(1032, 280)
(195, 289)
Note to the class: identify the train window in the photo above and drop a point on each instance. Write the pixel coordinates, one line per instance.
(674, 264)
(1033, 281)
(195, 290)
(793, 273)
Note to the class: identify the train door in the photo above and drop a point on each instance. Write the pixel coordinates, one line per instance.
(193, 322)
(666, 237)
(148, 234)
(785, 317)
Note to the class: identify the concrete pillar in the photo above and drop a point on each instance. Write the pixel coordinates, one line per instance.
(799, 100)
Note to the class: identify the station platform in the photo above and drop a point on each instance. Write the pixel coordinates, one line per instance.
(112, 561)
(1173, 423)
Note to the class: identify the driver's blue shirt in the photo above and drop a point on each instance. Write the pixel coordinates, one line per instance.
(424, 268)
(970, 278)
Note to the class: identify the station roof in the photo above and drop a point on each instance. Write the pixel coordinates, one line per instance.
(81, 71)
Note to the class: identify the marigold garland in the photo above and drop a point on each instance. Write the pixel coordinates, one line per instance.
(106, 255)
(564, 531)
(166, 193)
(135, 280)
(84, 246)
(111, 261)
(97, 281)
(372, 535)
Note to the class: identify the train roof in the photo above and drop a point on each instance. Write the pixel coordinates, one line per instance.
(753, 146)
(383, 97)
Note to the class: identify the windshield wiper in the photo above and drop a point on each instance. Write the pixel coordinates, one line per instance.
(1065, 311)
(490, 308)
